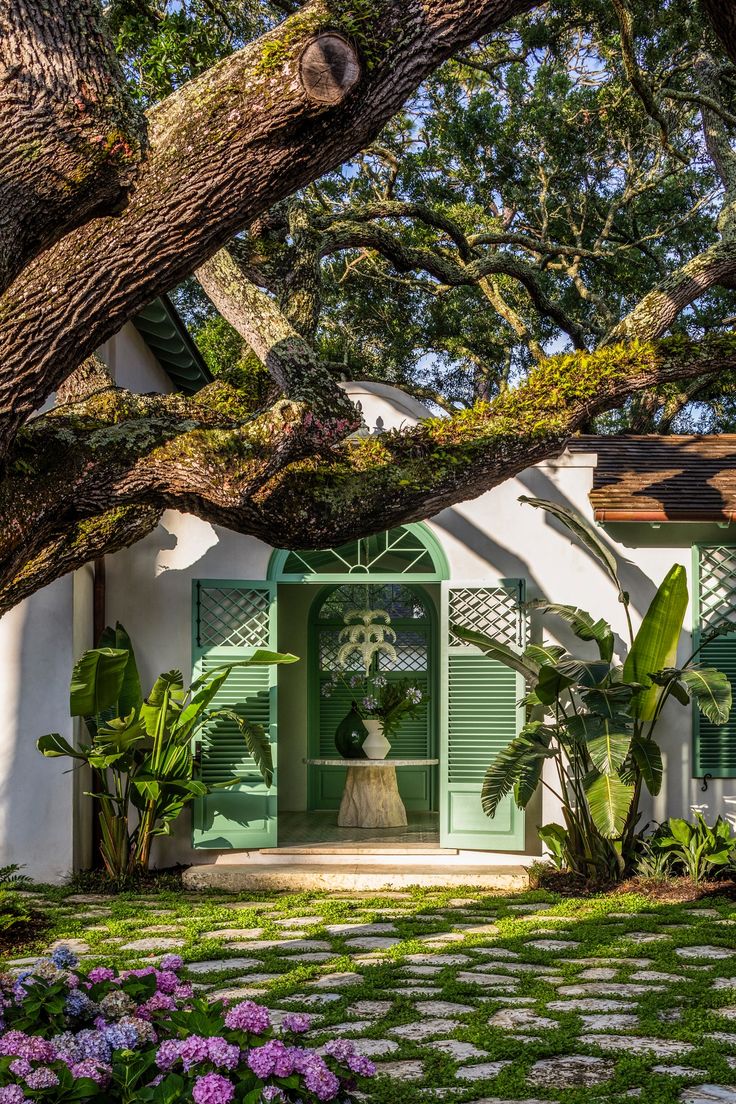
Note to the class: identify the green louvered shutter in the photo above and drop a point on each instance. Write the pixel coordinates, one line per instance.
(480, 714)
(714, 750)
(231, 620)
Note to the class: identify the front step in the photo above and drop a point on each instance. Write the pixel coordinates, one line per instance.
(235, 878)
(350, 848)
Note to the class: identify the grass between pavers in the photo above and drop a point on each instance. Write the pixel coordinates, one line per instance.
(105, 924)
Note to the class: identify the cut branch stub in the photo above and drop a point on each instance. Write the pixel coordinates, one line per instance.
(329, 67)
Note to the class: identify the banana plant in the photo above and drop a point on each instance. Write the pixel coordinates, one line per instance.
(141, 753)
(595, 720)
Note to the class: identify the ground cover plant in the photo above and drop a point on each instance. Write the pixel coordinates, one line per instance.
(459, 995)
(595, 719)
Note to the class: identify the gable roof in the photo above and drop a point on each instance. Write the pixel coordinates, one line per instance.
(652, 478)
(167, 337)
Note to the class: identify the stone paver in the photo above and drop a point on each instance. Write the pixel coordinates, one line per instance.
(571, 1071)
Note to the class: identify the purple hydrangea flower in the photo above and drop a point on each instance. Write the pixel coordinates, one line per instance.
(194, 1050)
(168, 1054)
(213, 1089)
(20, 1067)
(297, 1022)
(272, 1059)
(248, 1016)
(172, 962)
(41, 1078)
(12, 1094)
(101, 973)
(183, 992)
(98, 1072)
(222, 1053)
(167, 981)
(93, 1045)
(159, 1002)
(27, 1046)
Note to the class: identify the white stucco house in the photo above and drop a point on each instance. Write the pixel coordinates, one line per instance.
(191, 594)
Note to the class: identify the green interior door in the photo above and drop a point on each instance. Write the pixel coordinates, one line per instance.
(230, 620)
(413, 619)
(479, 714)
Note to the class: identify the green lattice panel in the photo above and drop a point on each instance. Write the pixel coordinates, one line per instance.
(717, 586)
(233, 618)
(494, 611)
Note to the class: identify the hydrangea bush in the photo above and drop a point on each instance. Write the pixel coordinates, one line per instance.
(142, 1035)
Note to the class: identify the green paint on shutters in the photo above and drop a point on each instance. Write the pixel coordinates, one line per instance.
(714, 601)
(479, 714)
(231, 620)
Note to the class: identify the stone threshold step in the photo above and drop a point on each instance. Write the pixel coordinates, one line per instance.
(234, 878)
(357, 849)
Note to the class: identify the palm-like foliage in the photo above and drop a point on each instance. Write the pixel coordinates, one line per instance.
(142, 749)
(596, 721)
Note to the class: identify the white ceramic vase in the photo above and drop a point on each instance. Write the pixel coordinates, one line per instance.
(375, 745)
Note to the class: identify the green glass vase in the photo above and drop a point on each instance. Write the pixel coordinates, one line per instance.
(350, 734)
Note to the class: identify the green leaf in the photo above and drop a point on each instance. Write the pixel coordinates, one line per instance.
(496, 650)
(648, 758)
(260, 657)
(96, 682)
(53, 745)
(608, 750)
(583, 531)
(609, 800)
(655, 644)
(609, 701)
(711, 691)
(257, 742)
(512, 765)
(569, 672)
(544, 653)
(583, 625)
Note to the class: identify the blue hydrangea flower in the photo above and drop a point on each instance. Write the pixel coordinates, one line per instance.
(121, 1036)
(64, 958)
(78, 1003)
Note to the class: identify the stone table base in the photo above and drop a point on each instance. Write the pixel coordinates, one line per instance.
(371, 799)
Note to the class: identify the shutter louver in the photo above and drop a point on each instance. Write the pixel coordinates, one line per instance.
(480, 715)
(231, 620)
(714, 746)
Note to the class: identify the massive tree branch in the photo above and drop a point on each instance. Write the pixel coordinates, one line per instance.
(70, 137)
(76, 473)
(223, 149)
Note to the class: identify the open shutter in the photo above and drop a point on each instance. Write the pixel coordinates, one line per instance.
(230, 621)
(714, 746)
(479, 713)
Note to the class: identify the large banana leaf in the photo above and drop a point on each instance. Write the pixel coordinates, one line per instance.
(655, 644)
(608, 750)
(96, 682)
(260, 657)
(711, 691)
(131, 696)
(584, 532)
(53, 745)
(609, 800)
(648, 759)
(512, 765)
(543, 653)
(609, 701)
(496, 650)
(569, 671)
(256, 740)
(583, 625)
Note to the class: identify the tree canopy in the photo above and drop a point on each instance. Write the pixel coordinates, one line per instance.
(522, 213)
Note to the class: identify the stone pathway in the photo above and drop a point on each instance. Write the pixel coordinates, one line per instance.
(476, 999)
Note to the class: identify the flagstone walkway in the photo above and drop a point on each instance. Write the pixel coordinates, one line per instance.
(473, 998)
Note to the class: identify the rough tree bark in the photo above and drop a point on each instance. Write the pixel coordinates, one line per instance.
(71, 139)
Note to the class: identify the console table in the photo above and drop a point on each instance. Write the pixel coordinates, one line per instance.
(371, 797)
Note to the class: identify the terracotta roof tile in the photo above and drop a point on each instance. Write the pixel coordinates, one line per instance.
(651, 478)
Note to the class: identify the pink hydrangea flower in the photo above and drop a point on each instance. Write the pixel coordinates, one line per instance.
(248, 1016)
